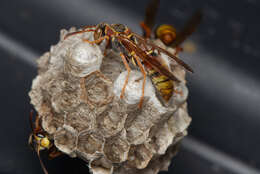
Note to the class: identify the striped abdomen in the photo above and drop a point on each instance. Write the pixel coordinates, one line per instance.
(162, 83)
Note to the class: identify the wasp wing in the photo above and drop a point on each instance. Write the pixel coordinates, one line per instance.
(31, 121)
(188, 28)
(150, 13)
(150, 60)
(179, 61)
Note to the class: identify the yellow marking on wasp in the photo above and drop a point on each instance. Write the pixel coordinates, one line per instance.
(129, 36)
(45, 142)
(157, 80)
(162, 83)
(149, 52)
(166, 91)
(166, 94)
(37, 138)
(133, 61)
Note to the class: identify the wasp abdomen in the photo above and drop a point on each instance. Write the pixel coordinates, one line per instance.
(162, 84)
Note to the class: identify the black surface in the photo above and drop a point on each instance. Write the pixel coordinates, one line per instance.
(224, 91)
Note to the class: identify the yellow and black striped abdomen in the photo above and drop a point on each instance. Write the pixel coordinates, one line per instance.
(162, 84)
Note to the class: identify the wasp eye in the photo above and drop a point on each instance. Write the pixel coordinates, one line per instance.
(98, 34)
(45, 142)
(40, 135)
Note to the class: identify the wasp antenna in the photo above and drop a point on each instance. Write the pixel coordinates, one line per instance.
(41, 162)
(31, 122)
(30, 142)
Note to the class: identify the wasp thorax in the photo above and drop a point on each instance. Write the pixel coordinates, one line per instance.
(119, 27)
(77, 94)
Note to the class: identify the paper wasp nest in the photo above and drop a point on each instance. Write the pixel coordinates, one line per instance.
(76, 95)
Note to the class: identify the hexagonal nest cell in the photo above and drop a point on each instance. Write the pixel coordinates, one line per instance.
(77, 96)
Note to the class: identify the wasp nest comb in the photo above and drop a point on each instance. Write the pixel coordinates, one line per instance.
(77, 96)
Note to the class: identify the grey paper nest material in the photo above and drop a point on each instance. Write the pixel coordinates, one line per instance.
(76, 95)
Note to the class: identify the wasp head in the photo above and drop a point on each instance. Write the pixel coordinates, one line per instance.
(166, 33)
(39, 141)
(100, 30)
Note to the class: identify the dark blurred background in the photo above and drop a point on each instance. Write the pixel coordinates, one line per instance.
(224, 99)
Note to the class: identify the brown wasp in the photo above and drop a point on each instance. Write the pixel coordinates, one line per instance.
(168, 35)
(39, 140)
(131, 47)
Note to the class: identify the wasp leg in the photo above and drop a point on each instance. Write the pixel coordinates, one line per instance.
(127, 76)
(78, 32)
(53, 152)
(37, 124)
(41, 162)
(88, 26)
(144, 74)
(54, 155)
(31, 120)
(98, 73)
(178, 50)
(98, 41)
(147, 30)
